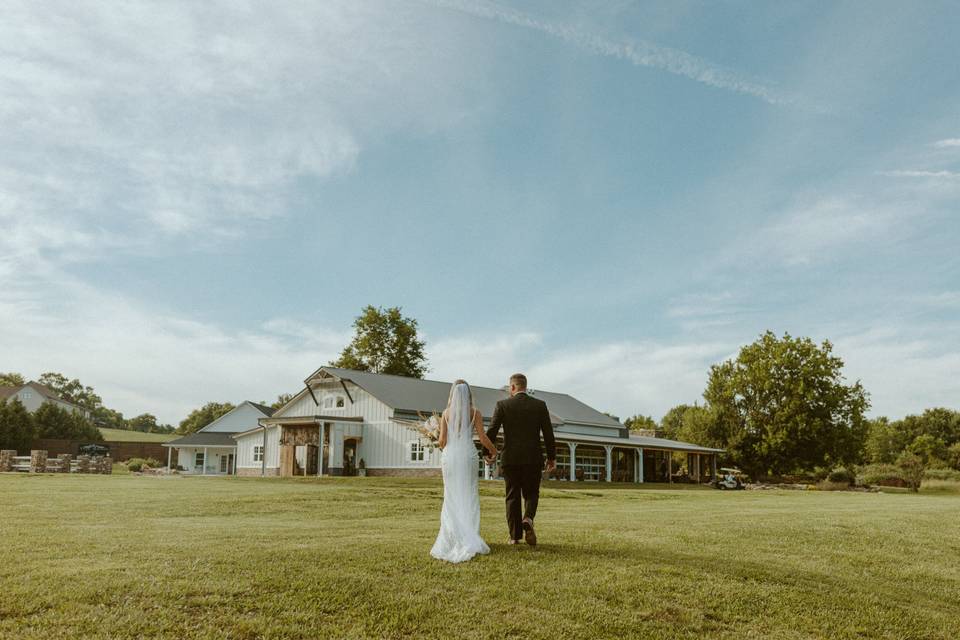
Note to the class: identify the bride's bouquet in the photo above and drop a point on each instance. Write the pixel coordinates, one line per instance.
(428, 428)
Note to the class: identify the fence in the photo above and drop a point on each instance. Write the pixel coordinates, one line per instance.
(39, 462)
(118, 450)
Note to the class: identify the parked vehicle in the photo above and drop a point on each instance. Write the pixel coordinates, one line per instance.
(94, 450)
(729, 478)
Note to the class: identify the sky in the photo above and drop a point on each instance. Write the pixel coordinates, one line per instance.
(197, 199)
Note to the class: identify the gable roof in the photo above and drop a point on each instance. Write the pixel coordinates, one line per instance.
(266, 411)
(410, 395)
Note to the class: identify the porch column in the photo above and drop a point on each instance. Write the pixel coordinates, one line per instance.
(573, 460)
(330, 456)
(714, 456)
(323, 437)
(609, 449)
(486, 470)
(670, 467)
(169, 457)
(204, 461)
(641, 465)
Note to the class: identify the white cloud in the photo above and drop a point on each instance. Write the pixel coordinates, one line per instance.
(623, 378)
(904, 371)
(191, 119)
(920, 173)
(947, 142)
(637, 52)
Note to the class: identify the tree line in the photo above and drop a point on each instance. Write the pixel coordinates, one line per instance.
(783, 407)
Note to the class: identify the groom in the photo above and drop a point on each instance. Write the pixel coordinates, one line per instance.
(523, 418)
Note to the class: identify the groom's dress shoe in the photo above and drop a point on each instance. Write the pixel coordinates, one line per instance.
(528, 533)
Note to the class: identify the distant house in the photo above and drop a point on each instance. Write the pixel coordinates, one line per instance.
(33, 394)
(212, 449)
(343, 417)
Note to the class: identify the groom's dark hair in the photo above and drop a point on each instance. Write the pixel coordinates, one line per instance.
(519, 379)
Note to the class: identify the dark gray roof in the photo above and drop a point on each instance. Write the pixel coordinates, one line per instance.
(265, 410)
(412, 395)
(204, 439)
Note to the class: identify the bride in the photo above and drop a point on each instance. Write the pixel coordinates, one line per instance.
(459, 538)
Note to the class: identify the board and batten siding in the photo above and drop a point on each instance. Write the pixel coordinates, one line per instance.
(384, 444)
(247, 442)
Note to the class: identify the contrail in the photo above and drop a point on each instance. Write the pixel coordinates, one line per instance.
(640, 53)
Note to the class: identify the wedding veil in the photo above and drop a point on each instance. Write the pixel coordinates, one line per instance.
(461, 406)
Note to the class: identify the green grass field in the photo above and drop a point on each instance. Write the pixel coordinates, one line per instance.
(132, 557)
(121, 435)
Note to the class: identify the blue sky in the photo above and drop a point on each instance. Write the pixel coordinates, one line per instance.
(196, 200)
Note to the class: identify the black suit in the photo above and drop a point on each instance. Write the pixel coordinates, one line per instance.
(523, 419)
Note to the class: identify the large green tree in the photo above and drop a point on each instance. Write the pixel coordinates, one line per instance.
(672, 421)
(203, 416)
(71, 390)
(640, 423)
(782, 405)
(16, 426)
(53, 421)
(385, 341)
(11, 379)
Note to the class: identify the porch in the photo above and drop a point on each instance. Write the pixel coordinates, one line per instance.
(319, 445)
(206, 454)
(596, 459)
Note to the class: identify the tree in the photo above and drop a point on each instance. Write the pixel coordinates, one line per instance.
(282, 399)
(16, 426)
(108, 418)
(71, 390)
(11, 380)
(953, 456)
(640, 423)
(700, 425)
(384, 342)
(928, 448)
(912, 467)
(672, 420)
(885, 440)
(782, 406)
(199, 418)
(53, 421)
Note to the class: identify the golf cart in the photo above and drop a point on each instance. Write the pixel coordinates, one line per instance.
(729, 478)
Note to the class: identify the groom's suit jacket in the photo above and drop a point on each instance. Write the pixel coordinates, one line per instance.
(523, 418)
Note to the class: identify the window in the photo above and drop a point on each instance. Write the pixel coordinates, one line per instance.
(258, 453)
(26, 395)
(223, 464)
(198, 461)
(418, 452)
(334, 401)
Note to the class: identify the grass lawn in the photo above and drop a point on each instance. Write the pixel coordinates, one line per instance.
(121, 435)
(131, 557)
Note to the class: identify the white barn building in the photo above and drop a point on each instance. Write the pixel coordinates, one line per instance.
(343, 420)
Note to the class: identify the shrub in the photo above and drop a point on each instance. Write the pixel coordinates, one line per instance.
(841, 475)
(941, 474)
(138, 464)
(913, 468)
(881, 475)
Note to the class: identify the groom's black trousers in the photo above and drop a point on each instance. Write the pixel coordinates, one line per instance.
(522, 481)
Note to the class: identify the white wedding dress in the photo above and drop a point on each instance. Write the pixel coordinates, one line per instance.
(459, 538)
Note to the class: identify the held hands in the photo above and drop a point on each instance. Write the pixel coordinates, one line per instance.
(491, 456)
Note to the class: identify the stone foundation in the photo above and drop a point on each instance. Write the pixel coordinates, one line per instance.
(405, 473)
(6, 460)
(251, 472)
